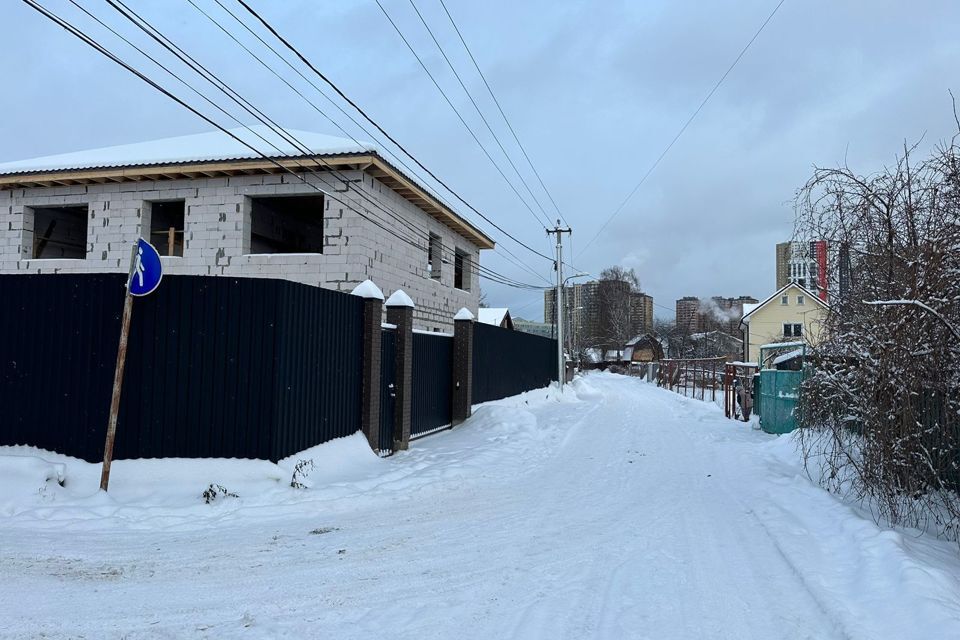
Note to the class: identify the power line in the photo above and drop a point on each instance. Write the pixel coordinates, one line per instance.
(101, 49)
(685, 125)
(502, 113)
(479, 112)
(516, 260)
(379, 128)
(196, 66)
(457, 112)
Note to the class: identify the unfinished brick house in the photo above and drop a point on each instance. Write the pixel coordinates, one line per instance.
(213, 207)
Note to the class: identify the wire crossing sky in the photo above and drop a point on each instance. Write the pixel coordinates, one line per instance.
(594, 90)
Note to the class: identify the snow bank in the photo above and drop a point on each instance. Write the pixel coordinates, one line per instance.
(26, 477)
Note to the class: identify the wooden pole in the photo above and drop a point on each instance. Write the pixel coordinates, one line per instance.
(171, 240)
(118, 378)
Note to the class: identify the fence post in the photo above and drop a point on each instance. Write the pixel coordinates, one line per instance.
(372, 319)
(400, 313)
(462, 404)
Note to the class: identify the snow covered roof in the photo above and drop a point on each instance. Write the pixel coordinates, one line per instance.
(216, 153)
(789, 355)
(200, 147)
(492, 316)
(783, 345)
(749, 308)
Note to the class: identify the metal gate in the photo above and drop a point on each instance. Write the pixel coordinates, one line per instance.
(779, 392)
(431, 408)
(388, 390)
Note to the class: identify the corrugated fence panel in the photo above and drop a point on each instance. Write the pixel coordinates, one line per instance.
(507, 362)
(432, 379)
(319, 366)
(216, 367)
(58, 344)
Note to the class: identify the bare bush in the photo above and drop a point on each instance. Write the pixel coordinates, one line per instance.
(879, 412)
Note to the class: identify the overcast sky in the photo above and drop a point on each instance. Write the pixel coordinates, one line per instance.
(595, 90)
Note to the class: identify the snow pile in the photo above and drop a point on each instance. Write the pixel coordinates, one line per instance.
(24, 477)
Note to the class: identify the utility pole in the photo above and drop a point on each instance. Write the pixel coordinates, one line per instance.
(558, 316)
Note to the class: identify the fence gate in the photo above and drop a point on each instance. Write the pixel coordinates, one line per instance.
(432, 384)
(388, 391)
(779, 392)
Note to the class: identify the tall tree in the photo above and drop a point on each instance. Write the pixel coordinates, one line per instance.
(880, 411)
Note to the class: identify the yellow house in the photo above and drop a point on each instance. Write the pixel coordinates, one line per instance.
(792, 314)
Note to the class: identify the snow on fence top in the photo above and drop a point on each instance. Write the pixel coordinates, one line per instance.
(400, 299)
(463, 314)
(367, 289)
(201, 147)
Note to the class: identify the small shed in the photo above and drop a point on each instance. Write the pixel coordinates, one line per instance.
(643, 348)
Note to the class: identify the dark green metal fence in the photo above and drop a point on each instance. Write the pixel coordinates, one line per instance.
(507, 362)
(216, 367)
(431, 402)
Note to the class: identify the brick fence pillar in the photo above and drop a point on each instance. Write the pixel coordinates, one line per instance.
(372, 319)
(462, 366)
(400, 313)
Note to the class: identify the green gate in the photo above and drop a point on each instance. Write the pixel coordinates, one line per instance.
(779, 391)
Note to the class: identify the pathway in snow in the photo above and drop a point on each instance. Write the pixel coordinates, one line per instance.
(620, 511)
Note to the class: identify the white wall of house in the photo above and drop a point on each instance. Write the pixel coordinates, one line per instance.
(217, 237)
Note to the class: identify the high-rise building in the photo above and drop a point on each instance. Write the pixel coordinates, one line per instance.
(713, 314)
(807, 264)
(596, 313)
(688, 309)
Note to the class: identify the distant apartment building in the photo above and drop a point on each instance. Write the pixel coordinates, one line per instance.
(596, 312)
(688, 311)
(695, 315)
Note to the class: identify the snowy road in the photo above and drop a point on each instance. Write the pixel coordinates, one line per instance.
(620, 511)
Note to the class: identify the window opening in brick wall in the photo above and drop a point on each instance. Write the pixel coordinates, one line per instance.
(60, 232)
(461, 270)
(167, 227)
(286, 224)
(434, 253)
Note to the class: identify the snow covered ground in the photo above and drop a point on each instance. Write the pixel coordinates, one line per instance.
(618, 510)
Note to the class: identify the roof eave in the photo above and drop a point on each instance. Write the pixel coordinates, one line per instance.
(369, 162)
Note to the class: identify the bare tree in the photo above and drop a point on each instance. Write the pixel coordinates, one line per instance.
(617, 273)
(880, 410)
(616, 291)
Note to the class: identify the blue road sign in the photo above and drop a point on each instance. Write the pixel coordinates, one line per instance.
(147, 271)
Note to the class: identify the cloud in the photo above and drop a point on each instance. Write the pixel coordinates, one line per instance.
(596, 90)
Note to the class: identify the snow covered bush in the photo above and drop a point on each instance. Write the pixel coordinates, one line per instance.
(881, 410)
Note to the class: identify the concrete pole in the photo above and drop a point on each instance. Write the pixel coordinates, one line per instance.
(561, 368)
(558, 316)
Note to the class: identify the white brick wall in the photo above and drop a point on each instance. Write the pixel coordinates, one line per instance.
(216, 239)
